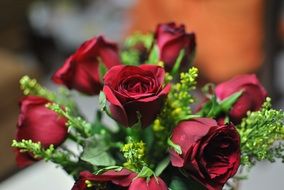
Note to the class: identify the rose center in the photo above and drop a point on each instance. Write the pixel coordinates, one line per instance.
(137, 85)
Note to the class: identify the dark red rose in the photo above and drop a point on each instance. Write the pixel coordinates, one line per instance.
(171, 39)
(210, 152)
(252, 98)
(39, 124)
(110, 180)
(135, 90)
(153, 184)
(81, 70)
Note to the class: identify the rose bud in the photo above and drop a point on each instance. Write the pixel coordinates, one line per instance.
(252, 97)
(171, 39)
(153, 184)
(210, 152)
(108, 180)
(135, 92)
(81, 70)
(39, 124)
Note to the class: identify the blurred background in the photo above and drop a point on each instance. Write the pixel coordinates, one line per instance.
(36, 36)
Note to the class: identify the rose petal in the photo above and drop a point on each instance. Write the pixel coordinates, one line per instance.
(117, 110)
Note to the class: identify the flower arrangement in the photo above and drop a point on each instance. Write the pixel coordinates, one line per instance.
(164, 136)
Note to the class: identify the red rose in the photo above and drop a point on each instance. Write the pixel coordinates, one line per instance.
(135, 91)
(252, 98)
(171, 39)
(39, 124)
(109, 180)
(153, 184)
(81, 70)
(210, 152)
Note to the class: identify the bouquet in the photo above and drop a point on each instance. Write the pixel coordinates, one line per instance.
(166, 134)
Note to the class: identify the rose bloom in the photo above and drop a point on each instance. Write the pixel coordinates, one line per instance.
(210, 152)
(39, 124)
(118, 180)
(171, 39)
(81, 70)
(135, 92)
(110, 180)
(153, 184)
(252, 98)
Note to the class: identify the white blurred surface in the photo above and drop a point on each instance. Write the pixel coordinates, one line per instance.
(45, 176)
(40, 176)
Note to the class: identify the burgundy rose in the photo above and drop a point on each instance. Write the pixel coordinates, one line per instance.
(171, 39)
(153, 184)
(210, 152)
(252, 98)
(135, 91)
(110, 180)
(81, 70)
(39, 124)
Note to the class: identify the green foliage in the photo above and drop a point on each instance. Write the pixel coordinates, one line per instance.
(80, 126)
(102, 69)
(180, 183)
(162, 166)
(261, 134)
(214, 108)
(131, 55)
(32, 87)
(38, 152)
(177, 106)
(136, 38)
(134, 153)
(154, 55)
(96, 153)
(178, 62)
(174, 146)
(146, 172)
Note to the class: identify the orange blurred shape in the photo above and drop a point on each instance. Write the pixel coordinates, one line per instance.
(229, 32)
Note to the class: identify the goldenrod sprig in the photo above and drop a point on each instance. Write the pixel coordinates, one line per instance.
(38, 152)
(74, 122)
(134, 153)
(177, 106)
(261, 134)
(32, 87)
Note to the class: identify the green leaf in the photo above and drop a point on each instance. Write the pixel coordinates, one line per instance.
(148, 137)
(102, 70)
(154, 55)
(176, 147)
(179, 183)
(215, 109)
(211, 108)
(130, 57)
(102, 101)
(145, 172)
(178, 62)
(162, 166)
(138, 124)
(115, 168)
(227, 103)
(96, 153)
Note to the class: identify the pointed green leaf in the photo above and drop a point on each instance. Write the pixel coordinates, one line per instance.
(154, 55)
(102, 101)
(96, 153)
(145, 172)
(162, 166)
(102, 70)
(176, 147)
(227, 103)
(178, 62)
